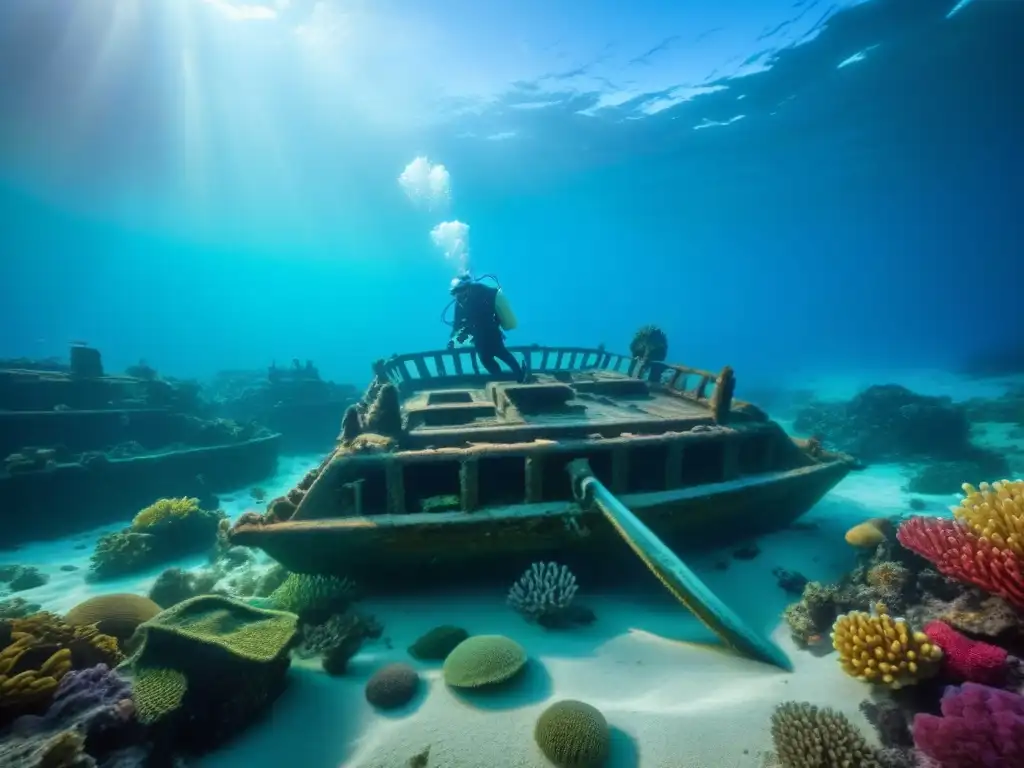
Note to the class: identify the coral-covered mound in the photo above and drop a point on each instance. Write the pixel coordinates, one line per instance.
(979, 726)
(116, 615)
(573, 733)
(208, 666)
(392, 686)
(484, 660)
(436, 644)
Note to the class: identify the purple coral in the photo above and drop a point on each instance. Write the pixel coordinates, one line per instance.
(980, 727)
(97, 699)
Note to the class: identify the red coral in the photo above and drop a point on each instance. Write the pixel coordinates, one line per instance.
(966, 659)
(958, 553)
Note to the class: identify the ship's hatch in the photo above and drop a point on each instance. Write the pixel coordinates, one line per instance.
(533, 398)
(448, 396)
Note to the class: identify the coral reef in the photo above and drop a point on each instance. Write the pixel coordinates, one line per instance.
(880, 649)
(890, 423)
(979, 726)
(163, 531)
(436, 644)
(35, 654)
(313, 598)
(806, 736)
(21, 577)
(483, 660)
(339, 639)
(543, 592)
(957, 552)
(17, 608)
(392, 686)
(207, 667)
(573, 733)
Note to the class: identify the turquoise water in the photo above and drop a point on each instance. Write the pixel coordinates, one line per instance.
(822, 196)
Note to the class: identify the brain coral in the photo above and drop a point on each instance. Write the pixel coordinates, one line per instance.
(573, 734)
(483, 660)
(881, 649)
(808, 737)
(117, 615)
(392, 686)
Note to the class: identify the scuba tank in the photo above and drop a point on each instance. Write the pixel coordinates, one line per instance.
(502, 307)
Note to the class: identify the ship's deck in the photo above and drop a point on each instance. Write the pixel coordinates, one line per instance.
(566, 402)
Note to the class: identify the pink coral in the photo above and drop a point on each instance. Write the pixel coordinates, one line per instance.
(958, 553)
(966, 659)
(979, 727)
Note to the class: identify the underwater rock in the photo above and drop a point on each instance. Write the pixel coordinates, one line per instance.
(747, 552)
(948, 476)
(436, 644)
(17, 608)
(22, 577)
(890, 423)
(392, 686)
(791, 582)
(173, 586)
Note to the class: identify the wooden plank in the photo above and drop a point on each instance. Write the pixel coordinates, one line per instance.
(439, 364)
(395, 475)
(674, 465)
(620, 469)
(534, 479)
(469, 484)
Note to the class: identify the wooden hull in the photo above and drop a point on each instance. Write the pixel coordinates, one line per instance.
(419, 548)
(72, 498)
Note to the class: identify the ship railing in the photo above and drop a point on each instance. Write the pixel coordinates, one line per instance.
(460, 366)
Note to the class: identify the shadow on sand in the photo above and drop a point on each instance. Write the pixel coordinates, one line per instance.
(532, 686)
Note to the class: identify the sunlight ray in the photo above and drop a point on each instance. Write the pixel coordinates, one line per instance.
(188, 96)
(111, 55)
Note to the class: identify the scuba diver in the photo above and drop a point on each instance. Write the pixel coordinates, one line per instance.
(483, 314)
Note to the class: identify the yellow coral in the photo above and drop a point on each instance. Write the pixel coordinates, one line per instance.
(880, 649)
(995, 512)
(164, 510)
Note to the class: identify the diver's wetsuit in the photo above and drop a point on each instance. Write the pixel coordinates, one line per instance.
(475, 317)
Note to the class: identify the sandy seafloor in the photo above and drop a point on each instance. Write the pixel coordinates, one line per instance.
(672, 697)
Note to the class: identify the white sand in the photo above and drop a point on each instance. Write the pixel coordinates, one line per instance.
(672, 698)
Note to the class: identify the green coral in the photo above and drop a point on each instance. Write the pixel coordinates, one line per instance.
(232, 657)
(164, 512)
(313, 598)
(436, 644)
(483, 660)
(573, 734)
(157, 693)
(649, 344)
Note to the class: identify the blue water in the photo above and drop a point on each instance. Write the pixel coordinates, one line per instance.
(806, 191)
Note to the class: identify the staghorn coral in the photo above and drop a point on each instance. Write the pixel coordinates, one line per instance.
(573, 733)
(207, 666)
(313, 598)
(995, 512)
(883, 650)
(955, 551)
(545, 589)
(979, 726)
(483, 660)
(808, 737)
